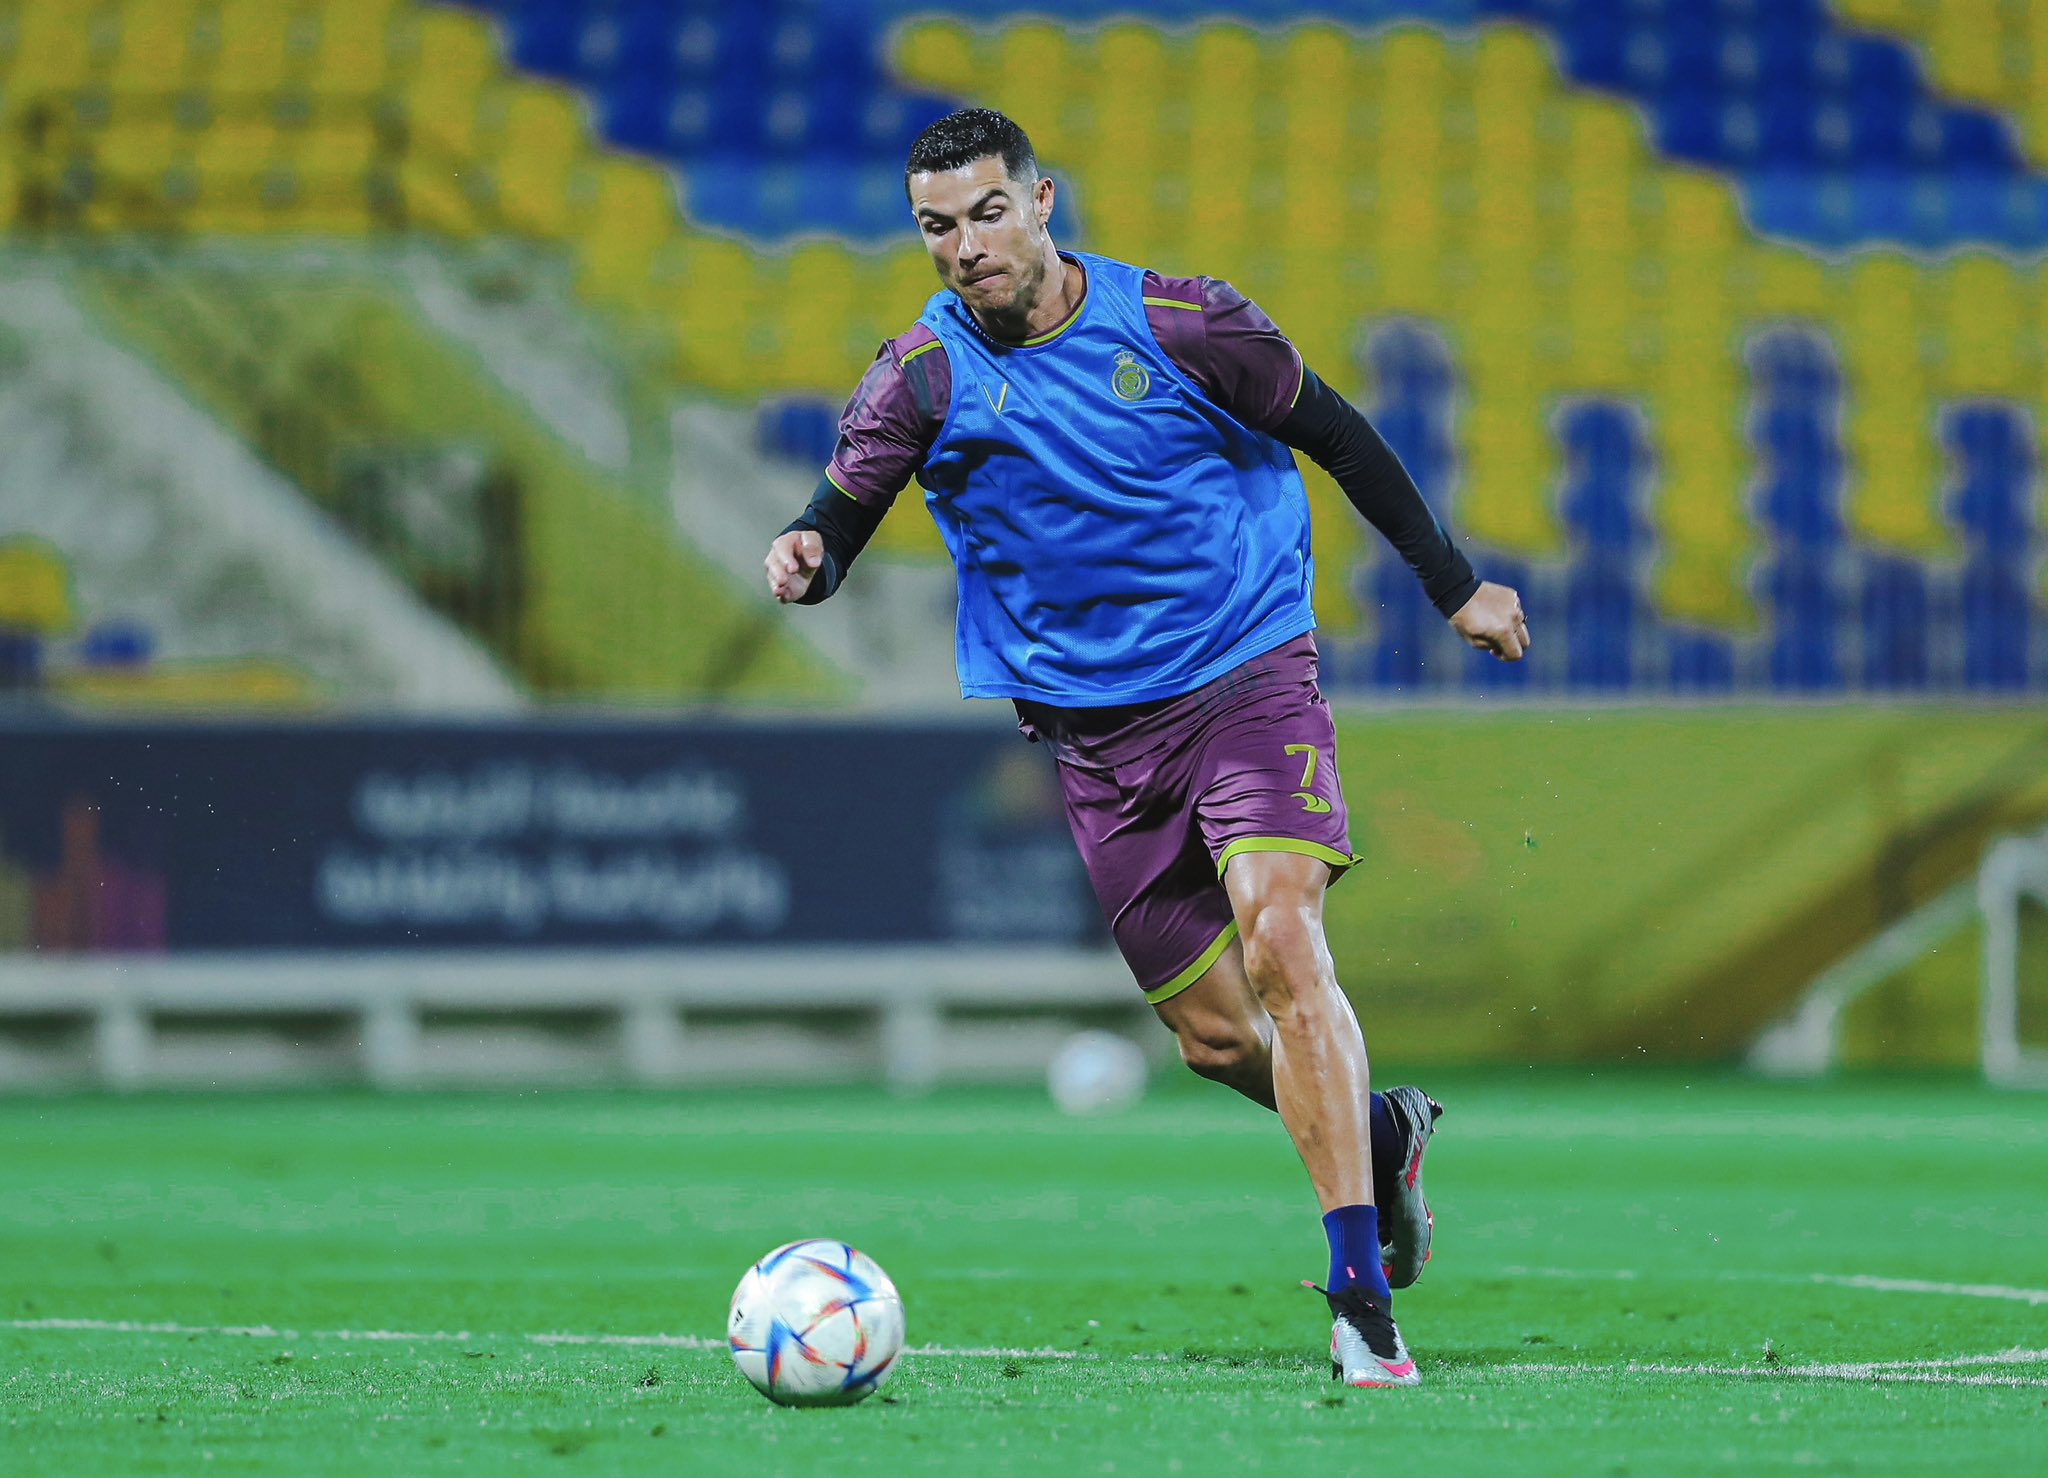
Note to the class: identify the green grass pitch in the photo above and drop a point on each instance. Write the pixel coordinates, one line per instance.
(1634, 1273)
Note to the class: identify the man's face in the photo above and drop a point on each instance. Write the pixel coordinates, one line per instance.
(986, 233)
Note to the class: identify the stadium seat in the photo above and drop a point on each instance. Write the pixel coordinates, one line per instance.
(539, 141)
(354, 46)
(1801, 591)
(35, 588)
(254, 44)
(629, 215)
(1998, 619)
(155, 49)
(453, 60)
(1895, 614)
(1699, 662)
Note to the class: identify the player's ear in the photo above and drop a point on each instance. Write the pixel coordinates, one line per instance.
(1041, 197)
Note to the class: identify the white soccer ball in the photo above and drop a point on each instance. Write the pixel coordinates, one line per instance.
(815, 1324)
(1096, 1072)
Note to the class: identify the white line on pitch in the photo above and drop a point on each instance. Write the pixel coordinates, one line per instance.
(1922, 1373)
(1867, 1281)
(1908, 1372)
(464, 1336)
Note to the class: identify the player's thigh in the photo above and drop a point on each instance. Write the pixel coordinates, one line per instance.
(1268, 780)
(1152, 875)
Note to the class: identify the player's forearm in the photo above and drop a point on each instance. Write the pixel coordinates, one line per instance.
(844, 526)
(1329, 429)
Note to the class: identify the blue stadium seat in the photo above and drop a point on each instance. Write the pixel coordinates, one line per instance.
(1998, 619)
(1600, 615)
(638, 113)
(21, 660)
(1784, 54)
(1595, 36)
(1880, 126)
(1607, 463)
(1973, 138)
(116, 644)
(1793, 425)
(798, 429)
(1991, 449)
(1802, 594)
(1787, 129)
(1881, 72)
(1700, 662)
(1895, 624)
(1689, 124)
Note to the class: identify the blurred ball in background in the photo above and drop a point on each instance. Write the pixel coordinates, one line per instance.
(1096, 1073)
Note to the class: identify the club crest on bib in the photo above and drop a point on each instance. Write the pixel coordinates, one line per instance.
(1129, 379)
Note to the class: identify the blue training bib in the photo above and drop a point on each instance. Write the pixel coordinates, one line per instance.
(1118, 536)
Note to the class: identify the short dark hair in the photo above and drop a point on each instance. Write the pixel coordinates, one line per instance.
(969, 134)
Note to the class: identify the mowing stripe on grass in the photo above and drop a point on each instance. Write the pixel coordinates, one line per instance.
(1866, 1281)
(1908, 1372)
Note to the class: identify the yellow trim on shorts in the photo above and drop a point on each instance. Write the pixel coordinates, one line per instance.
(1331, 855)
(1197, 970)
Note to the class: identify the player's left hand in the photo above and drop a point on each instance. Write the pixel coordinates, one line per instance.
(1492, 621)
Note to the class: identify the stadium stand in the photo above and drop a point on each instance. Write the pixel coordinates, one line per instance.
(1606, 215)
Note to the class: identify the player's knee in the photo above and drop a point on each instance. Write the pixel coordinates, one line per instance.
(1280, 955)
(1224, 1051)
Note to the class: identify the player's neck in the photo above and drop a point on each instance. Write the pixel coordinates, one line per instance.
(1065, 288)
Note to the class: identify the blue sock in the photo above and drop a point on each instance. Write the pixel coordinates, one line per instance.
(1387, 1141)
(1354, 1233)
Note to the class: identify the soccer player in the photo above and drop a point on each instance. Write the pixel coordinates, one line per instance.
(1107, 454)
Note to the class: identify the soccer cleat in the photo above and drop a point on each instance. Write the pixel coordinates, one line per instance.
(1404, 1214)
(1365, 1347)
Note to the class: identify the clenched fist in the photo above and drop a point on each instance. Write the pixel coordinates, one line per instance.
(1492, 621)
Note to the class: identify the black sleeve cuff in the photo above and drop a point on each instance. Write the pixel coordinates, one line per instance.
(844, 525)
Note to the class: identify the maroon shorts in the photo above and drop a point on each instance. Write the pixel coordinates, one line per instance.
(1162, 795)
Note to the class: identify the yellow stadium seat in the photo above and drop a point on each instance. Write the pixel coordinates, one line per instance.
(433, 197)
(157, 44)
(35, 588)
(140, 151)
(630, 213)
(721, 310)
(1224, 63)
(338, 147)
(1699, 215)
(1980, 353)
(1037, 50)
(453, 59)
(235, 147)
(540, 139)
(1967, 49)
(908, 282)
(813, 295)
(253, 46)
(352, 51)
(939, 54)
(56, 44)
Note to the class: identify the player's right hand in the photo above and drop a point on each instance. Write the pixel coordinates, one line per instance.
(793, 560)
(1492, 621)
